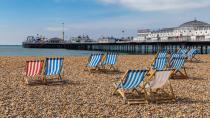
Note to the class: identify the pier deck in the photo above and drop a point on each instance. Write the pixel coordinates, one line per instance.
(126, 47)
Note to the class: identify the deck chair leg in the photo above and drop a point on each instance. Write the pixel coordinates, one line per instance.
(25, 80)
(174, 74)
(185, 73)
(146, 96)
(122, 93)
(197, 60)
(114, 92)
(60, 78)
(113, 67)
(44, 78)
(172, 92)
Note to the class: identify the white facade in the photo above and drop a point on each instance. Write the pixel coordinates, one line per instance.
(189, 31)
(107, 40)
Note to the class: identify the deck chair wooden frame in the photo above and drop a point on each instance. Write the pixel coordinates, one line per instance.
(38, 76)
(60, 75)
(152, 94)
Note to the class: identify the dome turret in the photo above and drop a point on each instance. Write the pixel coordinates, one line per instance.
(194, 23)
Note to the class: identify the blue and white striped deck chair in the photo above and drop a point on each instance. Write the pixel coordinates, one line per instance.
(53, 66)
(183, 52)
(160, 61)
(131, 81)
(94, 61)
(162, 54)
(191, 54)
(177, 55)
(177, 64)
(160, 64)
(110, 60)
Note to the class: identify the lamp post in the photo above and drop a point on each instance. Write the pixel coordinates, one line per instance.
(63, 31)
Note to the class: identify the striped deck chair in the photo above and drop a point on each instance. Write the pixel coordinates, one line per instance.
(162, 54)
(176, 55)
(110, 60)
(177, 64)
(183, 52)
(160, 64)
(191, 54)
(157, 83)
(53, 67)
(160, 61)
(131, 81)
(33, 69)
(94, 61)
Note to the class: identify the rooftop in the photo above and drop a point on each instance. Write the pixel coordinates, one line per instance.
(194, 23)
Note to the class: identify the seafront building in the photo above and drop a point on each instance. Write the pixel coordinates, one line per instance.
(107, 40)
(81, 39)
(115, 40)
(190, 31)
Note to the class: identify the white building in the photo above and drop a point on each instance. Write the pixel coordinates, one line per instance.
(81, 39)
(189, 31)
(107, 40)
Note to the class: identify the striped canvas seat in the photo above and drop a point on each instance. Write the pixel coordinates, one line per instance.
(183, 52)
(34, 68)
(132, 79)
(94, 60)
(160, 63)
(191, 53)
(177, 62)
(177, 55)
(111, 59)
(53, 66)
(162, 54)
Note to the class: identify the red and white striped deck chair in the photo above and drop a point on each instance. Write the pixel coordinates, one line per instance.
(34, 69)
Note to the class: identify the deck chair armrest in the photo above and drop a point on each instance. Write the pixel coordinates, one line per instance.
(117, 85)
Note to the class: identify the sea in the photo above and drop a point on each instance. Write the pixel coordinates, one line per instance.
(18, 50)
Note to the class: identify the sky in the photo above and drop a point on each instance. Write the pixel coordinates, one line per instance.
(96, 18)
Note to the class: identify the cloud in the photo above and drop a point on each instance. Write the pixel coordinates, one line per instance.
(160, 5)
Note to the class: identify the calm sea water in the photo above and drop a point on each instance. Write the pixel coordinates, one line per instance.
(19, 51)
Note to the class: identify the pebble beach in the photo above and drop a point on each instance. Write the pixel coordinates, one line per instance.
(89, 95)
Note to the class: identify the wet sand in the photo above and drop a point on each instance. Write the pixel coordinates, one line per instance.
(90, 95)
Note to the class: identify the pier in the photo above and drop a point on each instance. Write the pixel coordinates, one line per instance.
(126, 47)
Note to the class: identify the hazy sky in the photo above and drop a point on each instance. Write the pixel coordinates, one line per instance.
(20, 18)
